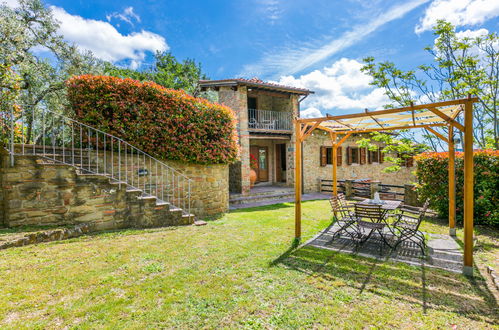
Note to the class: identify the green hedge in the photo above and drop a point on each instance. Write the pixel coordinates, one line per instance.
(432, 174)
(166, 123)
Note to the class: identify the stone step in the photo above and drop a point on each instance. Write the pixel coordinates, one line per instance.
(259, 198)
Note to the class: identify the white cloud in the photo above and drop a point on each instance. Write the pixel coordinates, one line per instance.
(310, 113)
(128, 15)
(472, 34)
(291, 61)
(271, 10)
(104, 40)
(458, 12)
(340, 87)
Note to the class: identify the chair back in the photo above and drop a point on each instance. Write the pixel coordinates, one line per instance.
(339, 206)
(372, 212)
(422, 213)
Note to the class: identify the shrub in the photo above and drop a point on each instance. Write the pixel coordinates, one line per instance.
(432, 174)
(163, 122)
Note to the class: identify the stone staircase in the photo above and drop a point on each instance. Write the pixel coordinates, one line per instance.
(61, 186)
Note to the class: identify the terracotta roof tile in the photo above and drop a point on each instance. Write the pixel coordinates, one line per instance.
(254, 82)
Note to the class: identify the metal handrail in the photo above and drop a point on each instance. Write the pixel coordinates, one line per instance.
(270, 120)
(63, 140)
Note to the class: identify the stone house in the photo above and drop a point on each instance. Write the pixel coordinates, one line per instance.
(265, 113)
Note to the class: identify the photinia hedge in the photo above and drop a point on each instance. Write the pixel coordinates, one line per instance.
(432, 174)
(166, 123)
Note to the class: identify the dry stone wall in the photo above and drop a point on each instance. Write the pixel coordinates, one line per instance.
(54, 194)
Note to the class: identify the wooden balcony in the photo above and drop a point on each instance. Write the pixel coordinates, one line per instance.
(270, 121)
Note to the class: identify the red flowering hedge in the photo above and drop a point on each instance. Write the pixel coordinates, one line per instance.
(432, 174)
(164, 122)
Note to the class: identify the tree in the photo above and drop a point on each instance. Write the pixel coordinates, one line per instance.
(32, 51)
(167, 71)
(461, 66)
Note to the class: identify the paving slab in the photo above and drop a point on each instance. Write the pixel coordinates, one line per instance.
(443, 251)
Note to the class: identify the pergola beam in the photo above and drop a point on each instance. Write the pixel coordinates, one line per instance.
(447, 118)
(443, 138)
(388, 111)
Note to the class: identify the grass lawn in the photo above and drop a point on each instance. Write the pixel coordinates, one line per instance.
(238, 271)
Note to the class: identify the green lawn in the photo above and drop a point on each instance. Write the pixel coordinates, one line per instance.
(238, 271)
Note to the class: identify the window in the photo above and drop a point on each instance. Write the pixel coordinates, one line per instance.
(327, 156)
(356, 155)
(407, 160)
(374, 156)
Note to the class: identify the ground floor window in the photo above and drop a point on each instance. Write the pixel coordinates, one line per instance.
(327, 156)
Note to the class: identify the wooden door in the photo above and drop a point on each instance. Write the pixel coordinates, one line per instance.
(263, 164)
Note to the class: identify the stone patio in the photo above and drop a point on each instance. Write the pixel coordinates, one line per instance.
(443, 251)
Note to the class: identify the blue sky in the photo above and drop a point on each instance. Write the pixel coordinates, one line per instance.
(317, 44)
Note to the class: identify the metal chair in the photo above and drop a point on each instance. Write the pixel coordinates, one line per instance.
(407, 225)
(343, 215)
(375, 214)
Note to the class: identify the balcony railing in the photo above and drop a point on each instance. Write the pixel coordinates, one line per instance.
(268, 120)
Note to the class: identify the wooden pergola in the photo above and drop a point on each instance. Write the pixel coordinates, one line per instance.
(428, 116)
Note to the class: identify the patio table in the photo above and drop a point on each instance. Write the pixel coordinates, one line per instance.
(378, 226)
(387, 205)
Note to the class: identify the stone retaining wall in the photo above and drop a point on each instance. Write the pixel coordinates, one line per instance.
(209, 183)
(53, 194)
(209, 187)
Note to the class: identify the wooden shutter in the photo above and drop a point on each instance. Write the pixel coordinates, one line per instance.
(369, 156)
(339, 156)
(362, 159)
(349, 156)
(323, 156)
(381, 155)
(409, 162)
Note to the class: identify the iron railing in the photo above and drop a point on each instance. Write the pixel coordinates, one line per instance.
(63, 140)
(270, 120)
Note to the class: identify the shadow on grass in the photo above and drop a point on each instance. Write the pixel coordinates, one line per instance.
(415, 285)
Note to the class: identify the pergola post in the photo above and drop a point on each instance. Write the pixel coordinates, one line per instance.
(335, 164)
(298, 179)
(452, 183)
(468, 188)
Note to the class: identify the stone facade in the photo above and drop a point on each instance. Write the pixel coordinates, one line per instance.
(236, 98)
(313, 172)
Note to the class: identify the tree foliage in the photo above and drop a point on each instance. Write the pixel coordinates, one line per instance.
(461, 66)
(395, 150)
(167, 71)
(35, 61)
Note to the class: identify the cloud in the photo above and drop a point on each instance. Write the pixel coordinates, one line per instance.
(311, 113)
(472, 34)
(291, 61)
(10, 3)
(271, 9)
(341, 87)
(458, 12)
(104, 41)
(128, 15)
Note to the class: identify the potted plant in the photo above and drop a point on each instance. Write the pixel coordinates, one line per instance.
(253, 166)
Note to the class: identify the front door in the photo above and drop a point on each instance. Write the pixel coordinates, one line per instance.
(262, 159)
